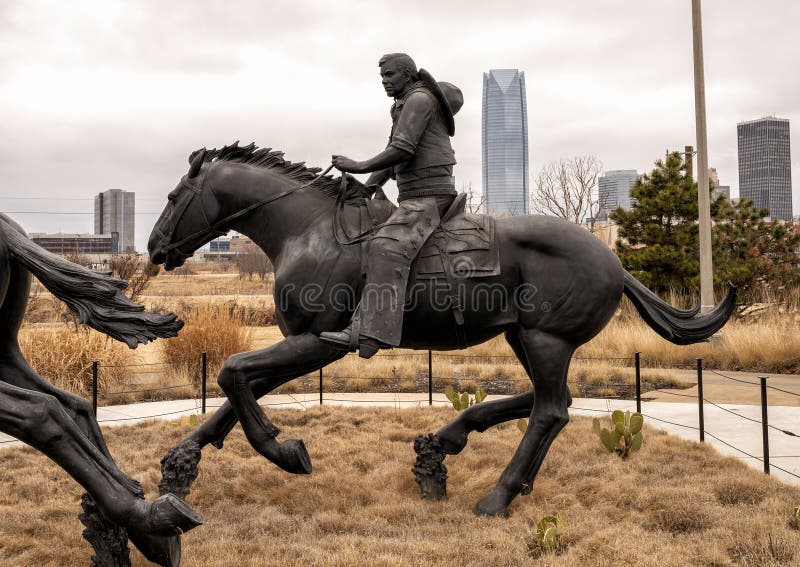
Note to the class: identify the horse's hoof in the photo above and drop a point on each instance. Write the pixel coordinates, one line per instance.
(494, 504)
(164, 551)
(293, 457)
(170, 516)
(452, 439)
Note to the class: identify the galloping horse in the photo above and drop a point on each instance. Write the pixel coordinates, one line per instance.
(562, 285)
(62, 425)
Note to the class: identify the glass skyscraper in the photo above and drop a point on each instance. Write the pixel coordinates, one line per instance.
(765, 165)
(614, 188)
(505, 142)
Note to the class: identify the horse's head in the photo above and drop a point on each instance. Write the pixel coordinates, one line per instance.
(187, 222)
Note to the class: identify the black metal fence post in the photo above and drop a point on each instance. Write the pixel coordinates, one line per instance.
(700, 399)
(638, 365)
(430, 378)
(94, 387)
(320, 386)
(764, 422)
(204, 378)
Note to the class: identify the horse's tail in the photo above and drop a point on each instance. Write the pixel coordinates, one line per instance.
(677, 326)
(97, 299)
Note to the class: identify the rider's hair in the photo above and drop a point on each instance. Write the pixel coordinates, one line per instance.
(403, 61)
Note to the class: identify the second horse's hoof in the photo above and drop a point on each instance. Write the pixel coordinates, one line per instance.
(170, 516)
(293, 457)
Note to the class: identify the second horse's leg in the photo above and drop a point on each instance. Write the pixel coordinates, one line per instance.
(270, 367)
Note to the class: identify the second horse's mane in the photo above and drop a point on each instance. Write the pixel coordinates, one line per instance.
(273, 159)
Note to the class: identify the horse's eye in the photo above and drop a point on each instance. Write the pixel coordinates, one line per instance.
(172, 196)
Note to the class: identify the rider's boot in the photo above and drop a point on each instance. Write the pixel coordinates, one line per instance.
(348, 339)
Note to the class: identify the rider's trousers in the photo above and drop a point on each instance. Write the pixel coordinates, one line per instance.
(391, 251)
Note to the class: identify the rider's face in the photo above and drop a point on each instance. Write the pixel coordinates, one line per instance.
(394, 79)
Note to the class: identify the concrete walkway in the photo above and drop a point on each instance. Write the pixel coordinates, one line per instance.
(733, 424)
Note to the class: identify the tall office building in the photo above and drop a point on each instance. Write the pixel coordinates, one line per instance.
(765, 166)
(505, 142)
(115, 214)
(614, 189)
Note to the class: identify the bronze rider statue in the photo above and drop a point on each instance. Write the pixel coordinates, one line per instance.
(420, 158)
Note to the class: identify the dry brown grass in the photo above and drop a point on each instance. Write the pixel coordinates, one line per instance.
(64, 356)
(212, 329)
(669, 505)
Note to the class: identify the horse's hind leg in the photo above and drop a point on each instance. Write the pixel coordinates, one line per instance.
(480, 417)
(549, 358)
(270, 367)
(40, 421)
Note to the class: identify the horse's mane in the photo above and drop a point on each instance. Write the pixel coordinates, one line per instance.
(273, 159)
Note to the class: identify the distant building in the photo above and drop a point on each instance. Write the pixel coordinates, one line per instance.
(115, 214)
(504, 130)
(716, 188)
(765, 167)
(614, 189)
(226, 247)
(66, 244)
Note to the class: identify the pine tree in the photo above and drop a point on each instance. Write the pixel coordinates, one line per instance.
(658, 239)
(659, 244)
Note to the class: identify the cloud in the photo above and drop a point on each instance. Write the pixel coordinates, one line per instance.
(99, 94)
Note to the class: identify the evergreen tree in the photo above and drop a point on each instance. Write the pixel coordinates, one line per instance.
(658, 239)
(659, 244)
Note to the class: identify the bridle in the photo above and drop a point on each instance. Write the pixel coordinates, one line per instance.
(185, 198)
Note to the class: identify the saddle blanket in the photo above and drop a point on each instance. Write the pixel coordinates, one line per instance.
(463, 246)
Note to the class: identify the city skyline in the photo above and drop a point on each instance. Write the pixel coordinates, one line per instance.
(614, 190)
(505, 174)
(111, 94)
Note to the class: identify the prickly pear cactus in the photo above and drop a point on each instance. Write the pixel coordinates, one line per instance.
(462, 401)
(626, 435)
(549, 530)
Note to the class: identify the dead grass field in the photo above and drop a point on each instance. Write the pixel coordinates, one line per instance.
(675, 503)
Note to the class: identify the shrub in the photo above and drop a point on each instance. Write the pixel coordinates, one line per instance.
(64, 358)
(214, 329)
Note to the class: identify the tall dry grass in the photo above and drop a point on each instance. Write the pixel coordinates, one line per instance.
(215, 329)
(769, 343)
(64, 356)
(674, 503)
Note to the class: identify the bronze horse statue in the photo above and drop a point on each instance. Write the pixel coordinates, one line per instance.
(61, 424)
(563, 286)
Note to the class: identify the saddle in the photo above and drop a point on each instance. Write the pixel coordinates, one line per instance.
(462, 246)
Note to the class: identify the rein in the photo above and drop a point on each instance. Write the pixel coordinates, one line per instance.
(215, 228)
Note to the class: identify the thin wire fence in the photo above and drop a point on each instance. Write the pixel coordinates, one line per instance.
(198, 387)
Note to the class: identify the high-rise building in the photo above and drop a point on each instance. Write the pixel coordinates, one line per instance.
(504, 129)
(614, 189)
(765, 167)
(115, 214)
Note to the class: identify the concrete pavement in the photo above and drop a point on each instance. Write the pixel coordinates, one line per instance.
(733, 424)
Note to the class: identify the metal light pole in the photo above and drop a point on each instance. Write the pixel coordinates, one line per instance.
(703, 201)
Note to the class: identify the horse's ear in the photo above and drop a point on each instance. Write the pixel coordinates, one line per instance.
(196, 160)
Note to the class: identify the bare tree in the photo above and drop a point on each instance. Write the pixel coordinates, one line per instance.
(476, 202)
(252, 261)
(135, 271)
(568, 189)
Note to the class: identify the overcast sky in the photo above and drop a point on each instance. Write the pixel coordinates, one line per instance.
(106, 94)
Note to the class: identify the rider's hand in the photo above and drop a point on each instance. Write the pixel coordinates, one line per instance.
(345, 164)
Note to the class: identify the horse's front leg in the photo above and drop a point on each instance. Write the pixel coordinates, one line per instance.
(270, 367)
